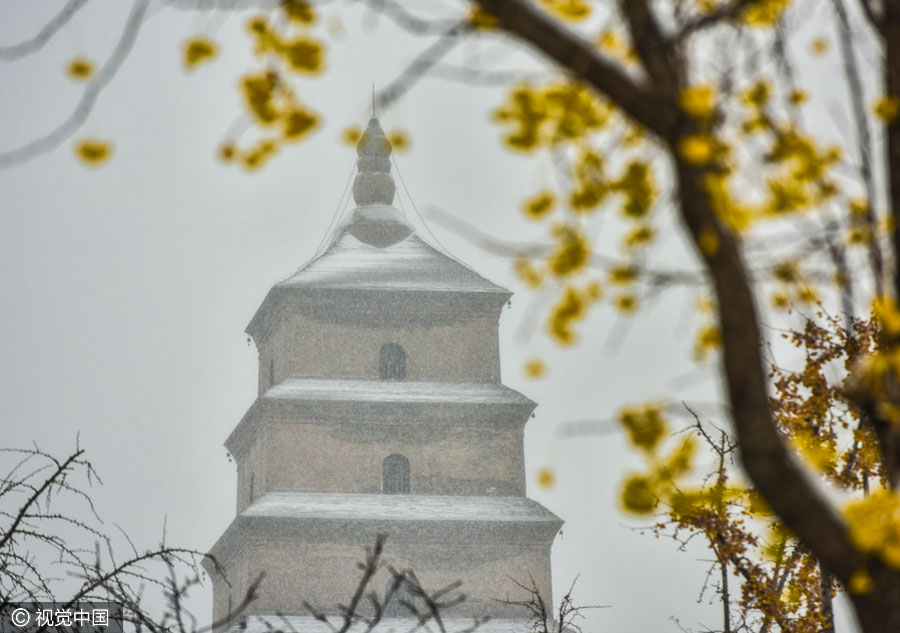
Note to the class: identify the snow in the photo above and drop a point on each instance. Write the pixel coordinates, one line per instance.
(394, 391)
(410, 264)
(397, 507)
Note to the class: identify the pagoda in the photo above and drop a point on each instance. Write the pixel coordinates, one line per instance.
(381, 411)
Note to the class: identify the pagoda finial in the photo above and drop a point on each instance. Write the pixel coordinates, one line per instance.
(373, 184)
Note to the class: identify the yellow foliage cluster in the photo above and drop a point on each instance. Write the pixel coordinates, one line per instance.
(592, 186)
(764, 13)
(571, 307)
(874, 524)
(299, 11)
(543, 116)
(792, 286)
(707, 340)
(301, 53)
(273, 104)
(526, 271)
(572, 253)
(646, 427)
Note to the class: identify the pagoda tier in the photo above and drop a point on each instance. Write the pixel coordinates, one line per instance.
(381, 412)
(309, 435)
(309, 546)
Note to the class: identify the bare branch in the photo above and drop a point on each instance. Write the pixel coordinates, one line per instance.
(73, 123)
(36, 43)
(722, 13)
(418, 68)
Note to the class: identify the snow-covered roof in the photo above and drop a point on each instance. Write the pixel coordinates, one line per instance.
(409, 264)
(308, 624)
(373, 402)
(394, 391)
(381, 507)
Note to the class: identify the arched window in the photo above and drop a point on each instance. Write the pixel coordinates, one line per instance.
(395, 475)
(392, 362)
(398, 596)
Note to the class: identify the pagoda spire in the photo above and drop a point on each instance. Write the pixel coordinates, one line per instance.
(373, 184)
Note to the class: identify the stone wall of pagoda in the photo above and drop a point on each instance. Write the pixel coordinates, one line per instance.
(466, 350)
(319, 570)
(481, 461)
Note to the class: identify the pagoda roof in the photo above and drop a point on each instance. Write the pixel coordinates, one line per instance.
(352, 390)
(354, 276)
(378, 402)
(383, 507)
(376, 264)
(410, 265)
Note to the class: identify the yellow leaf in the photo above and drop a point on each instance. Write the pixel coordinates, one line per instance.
(780, 301)
(860, 582)
(93, 152)
(818, 46)
(764, 13)
(351, 135)
(626, 303)
(527, 273)
(227, 152)
(297, 123)
(481, 19)
(623, 275)
(545, 478)
(757, 95)
(399, 140)
(535, 368)
(569, 10)
(698, 100)
(640, 235)
(299, 11)
(80, 69)
(697, 149)
(708, 339)
(886, 108)
(708, 242)
(639, 495)
(304, 55)
(539, 205)
(198, 50)
(798, 97)
(570, 308)
(645, 425)
(572, 254)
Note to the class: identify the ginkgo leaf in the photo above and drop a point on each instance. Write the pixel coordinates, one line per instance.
(198, 50)
(80, 69)
(93, 152)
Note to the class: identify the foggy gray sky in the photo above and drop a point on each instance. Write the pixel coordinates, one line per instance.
(126, 289)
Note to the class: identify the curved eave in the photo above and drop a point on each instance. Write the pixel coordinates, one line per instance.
(333, 402)
(407, 280)
(327, 517)
(373, 306)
